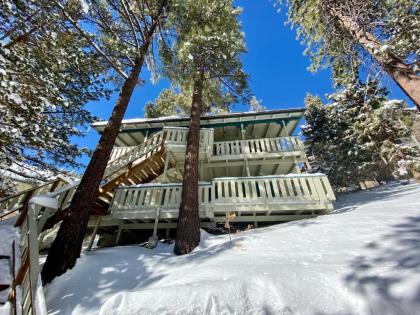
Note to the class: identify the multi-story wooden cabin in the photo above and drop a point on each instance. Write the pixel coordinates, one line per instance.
(249, 164)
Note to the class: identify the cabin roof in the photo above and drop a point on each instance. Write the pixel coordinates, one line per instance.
(146, 122)
(133, 130)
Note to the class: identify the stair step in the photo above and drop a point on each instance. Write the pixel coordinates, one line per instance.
(4, 257)
(4, 287)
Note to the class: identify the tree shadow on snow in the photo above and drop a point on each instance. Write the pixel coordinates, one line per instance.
(105, 270)
(349, 201)
(388, 274)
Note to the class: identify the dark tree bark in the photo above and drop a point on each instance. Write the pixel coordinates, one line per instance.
(188, 225)
(400, 72)
(68, 243)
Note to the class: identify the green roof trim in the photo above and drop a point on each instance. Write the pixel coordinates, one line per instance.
(222, 124)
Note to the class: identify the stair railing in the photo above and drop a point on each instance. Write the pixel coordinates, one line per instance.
(132, 155)
(31, 223)
(16, 202)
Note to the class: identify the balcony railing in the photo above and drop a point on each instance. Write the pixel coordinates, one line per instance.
(143, 150)
(178, 136)
(119, 151)
(244, 194)
(267, 145)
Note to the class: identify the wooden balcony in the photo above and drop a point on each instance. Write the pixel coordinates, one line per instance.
(268, 148)
(263, 198)
(175, 139)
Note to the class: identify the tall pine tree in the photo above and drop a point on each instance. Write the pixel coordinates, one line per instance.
(203, 57)
(122, 34)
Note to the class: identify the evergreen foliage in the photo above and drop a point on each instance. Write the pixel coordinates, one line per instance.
(205, 34)
(397, 23)
(255, 105)
(47, 74)
(7, 187)
(351, 35)
(359, 135)
(169, 103)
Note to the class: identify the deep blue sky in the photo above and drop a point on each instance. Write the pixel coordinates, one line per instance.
(275, 62)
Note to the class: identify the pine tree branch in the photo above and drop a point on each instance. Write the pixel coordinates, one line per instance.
(138, 24)
(28, 19)
(105, 26)
(89, 39)
(219, 77)
(40, 177)
(133, 30)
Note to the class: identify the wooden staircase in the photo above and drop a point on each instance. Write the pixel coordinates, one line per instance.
(142, 164)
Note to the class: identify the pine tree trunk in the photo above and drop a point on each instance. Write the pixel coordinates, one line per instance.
(68, 243)
(188, 226)
(400, 72)
(407, 81)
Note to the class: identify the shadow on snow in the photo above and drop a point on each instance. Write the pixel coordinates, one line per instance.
(111, 273)
(388, 274)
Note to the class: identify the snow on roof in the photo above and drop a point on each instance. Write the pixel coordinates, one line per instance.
(137, 120)
(209, 116)
(140, 120)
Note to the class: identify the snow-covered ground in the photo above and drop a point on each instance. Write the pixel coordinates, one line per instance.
(362, 259)
(8, 234)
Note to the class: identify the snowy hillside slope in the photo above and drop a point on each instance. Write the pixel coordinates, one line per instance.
(362, 259)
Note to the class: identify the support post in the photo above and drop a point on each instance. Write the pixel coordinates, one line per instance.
(165, 168)
(154, 240)
(245, 151)
(156, 221)
(33, 247)
(284, 129)
(297, 168)
(92, 237)
(117, 240)
(146, 136)
(201, 171)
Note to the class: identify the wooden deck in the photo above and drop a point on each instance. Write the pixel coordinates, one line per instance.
(264, 198)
